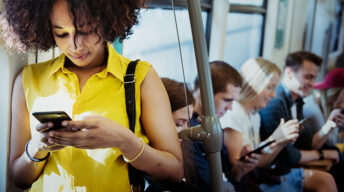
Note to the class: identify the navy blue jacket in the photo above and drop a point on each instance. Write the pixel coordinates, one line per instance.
(201, 162)
(280, 107)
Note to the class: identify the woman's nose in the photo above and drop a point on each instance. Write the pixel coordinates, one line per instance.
(75, 43)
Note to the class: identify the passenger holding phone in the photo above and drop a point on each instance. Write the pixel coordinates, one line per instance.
(92, 152)
(300, 71)
(226, 82)
(242, 124)
(325, 110)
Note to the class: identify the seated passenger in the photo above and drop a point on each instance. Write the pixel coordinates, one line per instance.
(301, 69)
(327, 104)
(242, 124)
(226, 83)
(182, 108)
(94, 150)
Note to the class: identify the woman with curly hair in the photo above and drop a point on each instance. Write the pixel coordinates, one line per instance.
(91, 152)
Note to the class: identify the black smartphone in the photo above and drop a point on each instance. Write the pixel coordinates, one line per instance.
(55, 117)
(342, 111)
(257, 150)
(303, 121)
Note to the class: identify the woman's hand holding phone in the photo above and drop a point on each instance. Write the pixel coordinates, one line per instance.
(39, 147)
(39, 144)
(43, 137)
(92, 132)
(95, 132)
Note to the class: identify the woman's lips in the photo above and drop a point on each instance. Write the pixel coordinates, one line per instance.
(80, 57)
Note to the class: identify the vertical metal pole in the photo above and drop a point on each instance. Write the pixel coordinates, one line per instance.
(210, 121)
(202, 60)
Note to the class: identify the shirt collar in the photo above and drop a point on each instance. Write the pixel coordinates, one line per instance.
(287, 95)
(58, 63)
(114, 65)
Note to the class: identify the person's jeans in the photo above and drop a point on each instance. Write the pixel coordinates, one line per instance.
(291, 182)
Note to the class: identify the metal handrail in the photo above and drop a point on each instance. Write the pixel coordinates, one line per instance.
(209, 132)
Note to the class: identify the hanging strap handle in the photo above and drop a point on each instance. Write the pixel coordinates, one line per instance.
(135, 176)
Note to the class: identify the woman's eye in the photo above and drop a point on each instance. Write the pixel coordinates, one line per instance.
(270, 87)
(61, 35)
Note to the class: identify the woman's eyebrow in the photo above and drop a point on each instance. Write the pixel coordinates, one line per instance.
(56, 26)
(228, 99)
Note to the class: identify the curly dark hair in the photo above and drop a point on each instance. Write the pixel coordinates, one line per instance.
(109, 19)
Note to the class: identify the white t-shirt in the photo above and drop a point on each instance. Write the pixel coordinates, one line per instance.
(248, 125)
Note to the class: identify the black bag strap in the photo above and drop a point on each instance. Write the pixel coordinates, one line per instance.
(135, 177)
(129, 86)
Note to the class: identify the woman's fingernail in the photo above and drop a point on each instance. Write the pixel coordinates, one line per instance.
(50, 140)
(50, 124)
(51, 134)
(74, 129)
(64, 123)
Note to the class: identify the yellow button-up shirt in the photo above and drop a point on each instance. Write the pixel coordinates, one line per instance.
(49, 86)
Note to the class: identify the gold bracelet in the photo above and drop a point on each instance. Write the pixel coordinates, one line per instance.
(137, 156)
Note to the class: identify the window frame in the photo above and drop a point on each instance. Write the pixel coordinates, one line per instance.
(206, 5)
(252, 9)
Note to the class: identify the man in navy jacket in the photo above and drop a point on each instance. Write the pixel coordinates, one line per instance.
(301, 69)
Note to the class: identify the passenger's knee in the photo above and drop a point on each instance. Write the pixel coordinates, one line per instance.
(316, 180)
(328, 181)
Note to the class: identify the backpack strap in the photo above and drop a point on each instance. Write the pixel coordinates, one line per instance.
(129, 86)
(135, 176)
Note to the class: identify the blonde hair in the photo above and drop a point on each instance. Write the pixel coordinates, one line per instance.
(256, 74)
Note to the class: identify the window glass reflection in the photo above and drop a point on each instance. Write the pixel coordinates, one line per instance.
(155, 40)
(243, 37)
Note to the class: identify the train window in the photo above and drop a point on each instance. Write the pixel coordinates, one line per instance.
(155, 40)
(248, 2)
(243, 39)
(337, 26)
